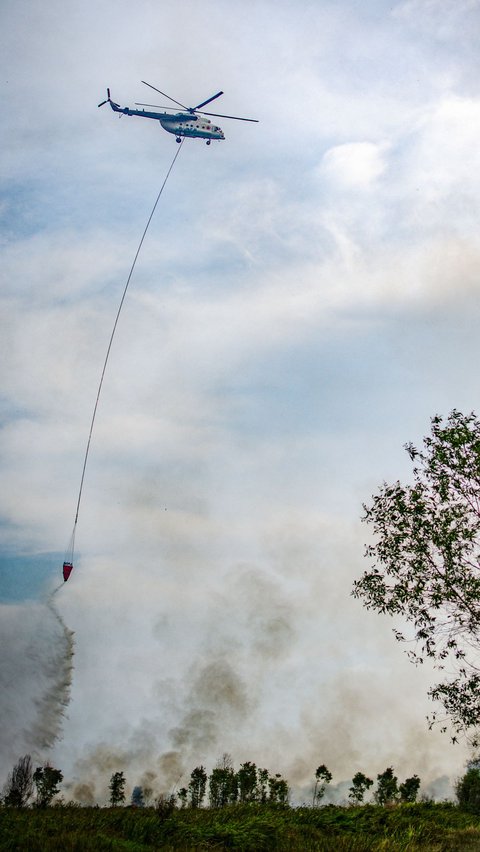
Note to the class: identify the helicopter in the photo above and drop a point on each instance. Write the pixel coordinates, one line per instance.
(182, 124)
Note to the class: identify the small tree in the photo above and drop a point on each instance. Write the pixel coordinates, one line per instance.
(247, 782)
(197, 786)
(278, 790)
(46, 780)
(19, 787)
(261, 794)
(387, 787)
(360, 785)
(409, 789)
(323, 776)
(223, 783)
(117, 789)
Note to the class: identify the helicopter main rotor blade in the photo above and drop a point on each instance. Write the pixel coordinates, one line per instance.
(165, 95)
(236, 117)
(204, 103)
(157, 106)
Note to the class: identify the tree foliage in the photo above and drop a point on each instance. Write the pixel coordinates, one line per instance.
(182, 796)
(468, 789)
(278, 789)
(387, 787)
(223, 783)
(197, 786)
(247, 782)
(117, 789)
(426, 560)
(249, 785)
(360, 785)
(323, 776)
(263, 777)
(46, 780)
(409, 789)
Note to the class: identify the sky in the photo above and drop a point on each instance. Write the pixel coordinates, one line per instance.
(305, 300)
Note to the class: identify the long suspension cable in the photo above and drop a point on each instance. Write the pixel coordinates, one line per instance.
(72, 540)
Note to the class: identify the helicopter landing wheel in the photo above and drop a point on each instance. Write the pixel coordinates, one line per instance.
(208, 141)
(178, 139)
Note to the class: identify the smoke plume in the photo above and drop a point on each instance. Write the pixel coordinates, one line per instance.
(35, 678)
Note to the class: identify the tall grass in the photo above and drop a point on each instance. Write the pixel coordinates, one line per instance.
(246, 828)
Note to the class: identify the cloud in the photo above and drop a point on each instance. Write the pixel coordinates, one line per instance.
(442, 19)
(355, 165)
(444, 166)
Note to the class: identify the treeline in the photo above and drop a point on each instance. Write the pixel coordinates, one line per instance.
(226, 786)
(222, 787)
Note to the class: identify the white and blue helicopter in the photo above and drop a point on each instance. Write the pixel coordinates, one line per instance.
(186, 124)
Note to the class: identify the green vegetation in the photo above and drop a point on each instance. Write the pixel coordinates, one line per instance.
(387, 787)
(46, 780)
(117, 789)
(19, 787)
(226, 787)
(426, 561)
(248, 812)
(360, 785)
(323, 776)
(468, 788)
(244, 827)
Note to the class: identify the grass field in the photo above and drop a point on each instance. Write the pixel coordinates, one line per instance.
(250, 828)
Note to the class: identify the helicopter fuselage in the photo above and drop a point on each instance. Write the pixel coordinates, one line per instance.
(180, 124)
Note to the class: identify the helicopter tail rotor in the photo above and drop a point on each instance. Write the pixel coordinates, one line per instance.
(107, 101)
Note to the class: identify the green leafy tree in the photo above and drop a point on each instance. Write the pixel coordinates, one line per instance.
(426, 560)
(387, 787)
(223, 783)
(323, 776)
(409, 789)
(278, 790)
(117, 789)
(468, 788)
(46, 780)
(247, 782)
(360, 785)
(197, 787)
(18, 789)
(222, 787)
(263, 777)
